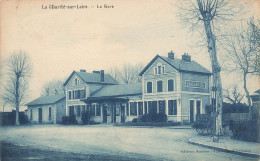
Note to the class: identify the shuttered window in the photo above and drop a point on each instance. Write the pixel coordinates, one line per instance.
(170, 85)
(172, 107)
(149, 87)
(159, 86)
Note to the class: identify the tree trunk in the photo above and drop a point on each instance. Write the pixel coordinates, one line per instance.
(211, 40)
(247, 93)
(17, 102)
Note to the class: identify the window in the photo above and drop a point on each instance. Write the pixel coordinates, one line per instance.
(170, 85)
(155, 70)
(83, 109)
(76, 81)
(98, 111)
(162, 107)
(163, 69)
(152, 107)
(198, 104)
(30, 114)
(159, 69)
(49, 113)
(78, 110)
(145, 107)
(133, 108)
(73, 95)
(71, 110)
(159, 86)
(69, 95)
(149, 87)
(172, 107)
(140, 108)
(82, 93)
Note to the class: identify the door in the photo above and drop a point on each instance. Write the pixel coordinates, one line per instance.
(191, 111)
(40, 115)
(122, 114)
(104, 112)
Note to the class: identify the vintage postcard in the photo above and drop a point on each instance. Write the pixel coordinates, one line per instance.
(129, 80)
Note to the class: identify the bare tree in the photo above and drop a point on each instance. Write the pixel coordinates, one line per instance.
(128, 74)
(53, 87)
(204, 15)
(242, 46)
(19, 70)
(115, 73)
(233, 96)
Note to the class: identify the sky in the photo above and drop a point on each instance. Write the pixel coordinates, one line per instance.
(62, 40)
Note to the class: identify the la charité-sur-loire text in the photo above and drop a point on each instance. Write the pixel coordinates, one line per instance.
(75, 6)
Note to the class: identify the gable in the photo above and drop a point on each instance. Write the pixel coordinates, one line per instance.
(159, 62)
(74, 77)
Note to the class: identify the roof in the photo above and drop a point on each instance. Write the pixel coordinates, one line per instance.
(179, 65)
(93, 78)
(119, 90)
(46, 100)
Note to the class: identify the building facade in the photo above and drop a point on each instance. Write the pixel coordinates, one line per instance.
(179, 88)
(47, 109)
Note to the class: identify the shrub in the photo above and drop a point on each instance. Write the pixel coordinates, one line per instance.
(154, 118)
(134, 120)
(245, 130)
(85, 118)
(67, 120)
(23, 118)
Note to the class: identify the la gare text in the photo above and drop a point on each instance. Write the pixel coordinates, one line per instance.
(75, 6)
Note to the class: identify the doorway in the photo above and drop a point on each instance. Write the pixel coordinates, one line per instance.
(104, 114)
(122, 114)
(40, 115)
(191, 111)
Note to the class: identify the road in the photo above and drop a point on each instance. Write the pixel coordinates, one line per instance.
(132, 142)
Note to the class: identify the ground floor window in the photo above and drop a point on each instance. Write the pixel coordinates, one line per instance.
(161, 107)
(140, 108)
(71, 110)
(133, 108)
(172, 107)
(145, 107)
(152, 107)
(78, 110)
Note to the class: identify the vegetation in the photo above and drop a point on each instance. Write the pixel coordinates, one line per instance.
(85, 118)
(153, 118)
(19, 71)
(68, 120)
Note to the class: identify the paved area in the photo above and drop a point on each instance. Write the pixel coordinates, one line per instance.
(226, 144)
(139, 143)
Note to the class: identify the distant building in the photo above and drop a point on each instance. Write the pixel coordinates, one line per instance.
(179, 88)
(47, 109)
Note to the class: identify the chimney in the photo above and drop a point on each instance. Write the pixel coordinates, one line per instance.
(96, 72)
(186, 57)
(82, 70)
(171, 55)
(102, 76)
